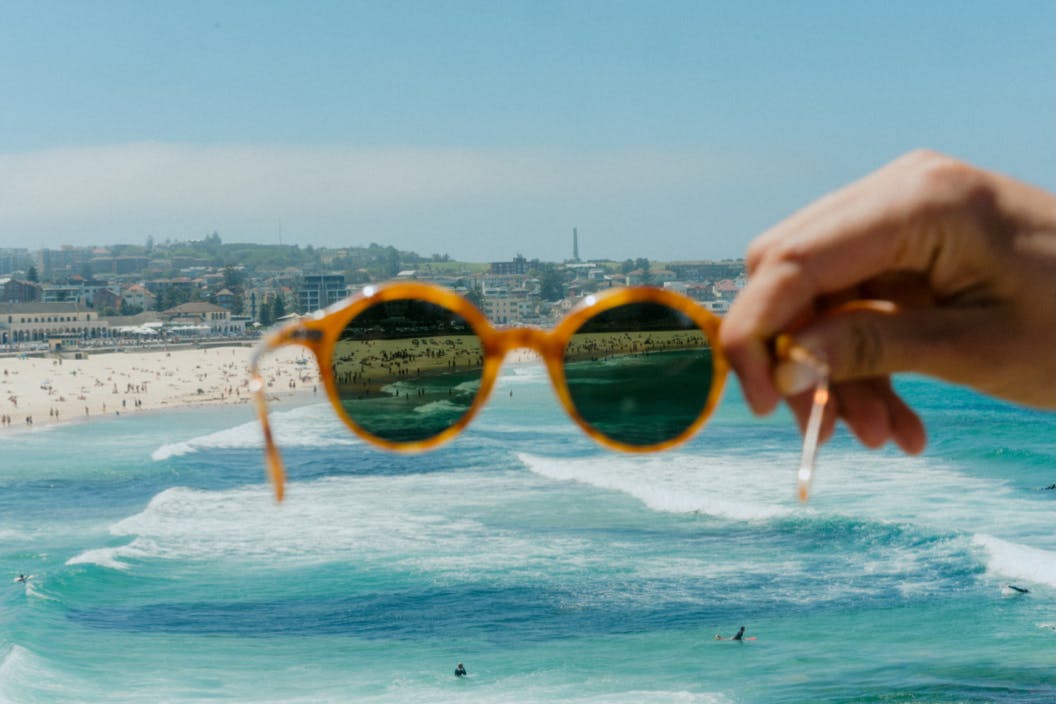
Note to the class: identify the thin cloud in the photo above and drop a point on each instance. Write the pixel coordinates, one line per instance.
(136, 180)
(471, 202)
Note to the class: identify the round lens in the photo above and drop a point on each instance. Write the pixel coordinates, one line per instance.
(407, 370)
(639, 373)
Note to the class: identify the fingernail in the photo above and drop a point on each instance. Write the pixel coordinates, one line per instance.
(792, 377)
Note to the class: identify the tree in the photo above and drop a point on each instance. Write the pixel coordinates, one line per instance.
(278, 308)
(552, 284)
(474, 296)
(264, 314)
(392, 262)
(171, 296)
(644, 264)
(32, 275)
(233, 281)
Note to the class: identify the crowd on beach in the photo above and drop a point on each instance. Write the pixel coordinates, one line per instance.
(43, 390)
(364, 366)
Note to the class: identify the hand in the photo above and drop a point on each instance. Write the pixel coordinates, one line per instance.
(967, 259)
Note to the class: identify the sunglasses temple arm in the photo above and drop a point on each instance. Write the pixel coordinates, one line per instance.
(786, 349)
(806, 472)
(273, 461)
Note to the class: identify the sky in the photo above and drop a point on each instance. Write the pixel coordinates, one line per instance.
(661, 129)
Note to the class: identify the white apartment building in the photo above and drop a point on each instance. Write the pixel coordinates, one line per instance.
(38, 322)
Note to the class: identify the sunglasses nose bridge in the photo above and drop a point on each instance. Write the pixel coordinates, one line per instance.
(522, 338)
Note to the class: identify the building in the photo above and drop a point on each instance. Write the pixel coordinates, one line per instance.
(107, 300)
(137, 296)
(130, 264)
(38, 322)
(508, 310)
(226, 299)
(201, 318)
(17, 291)
(519, 265)
(320, 290)
(727, 290)
(55, 263)
(169, 290)
(12, 260)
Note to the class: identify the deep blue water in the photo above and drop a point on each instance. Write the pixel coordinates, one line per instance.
(163, 570)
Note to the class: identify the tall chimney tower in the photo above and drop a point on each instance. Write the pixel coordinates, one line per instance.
(576, 247)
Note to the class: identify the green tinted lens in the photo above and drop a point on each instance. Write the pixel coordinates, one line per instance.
(639, 373)
(407, 370)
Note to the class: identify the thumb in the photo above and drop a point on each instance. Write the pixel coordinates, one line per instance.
(950, 343)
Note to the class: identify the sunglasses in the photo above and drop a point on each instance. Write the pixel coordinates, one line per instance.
(407, 366)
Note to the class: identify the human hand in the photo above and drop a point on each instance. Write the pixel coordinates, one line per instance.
(965, 260)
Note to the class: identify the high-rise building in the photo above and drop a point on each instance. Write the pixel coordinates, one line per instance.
(320, 290)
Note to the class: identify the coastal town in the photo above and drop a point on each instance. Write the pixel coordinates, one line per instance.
(97, 332)
(83, 298)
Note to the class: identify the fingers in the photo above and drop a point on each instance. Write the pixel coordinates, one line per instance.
(898, 219)
(876, 414)
(950, 343)
(963, 257)
(872, 410)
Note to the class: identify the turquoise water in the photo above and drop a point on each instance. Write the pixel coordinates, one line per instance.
(555, 570)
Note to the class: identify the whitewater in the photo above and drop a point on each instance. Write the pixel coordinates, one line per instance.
(557, 571)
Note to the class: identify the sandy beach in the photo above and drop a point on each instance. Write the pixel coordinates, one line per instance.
(36, 391)
(365, 367)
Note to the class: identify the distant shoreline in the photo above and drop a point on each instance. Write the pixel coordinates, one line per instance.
(109, 383)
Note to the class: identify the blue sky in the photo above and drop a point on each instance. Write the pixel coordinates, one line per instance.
(673, 130)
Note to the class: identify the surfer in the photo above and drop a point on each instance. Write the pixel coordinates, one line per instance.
(460, 671)
(1020, 590)
(740, 635)
(22, 578)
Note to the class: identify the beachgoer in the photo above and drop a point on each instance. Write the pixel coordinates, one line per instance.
(460, 671)
(965, 259)
(739, 634)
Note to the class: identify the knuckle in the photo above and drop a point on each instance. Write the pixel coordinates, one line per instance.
(952, 184)
(754, 255)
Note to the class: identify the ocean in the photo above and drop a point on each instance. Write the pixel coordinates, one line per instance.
(556, 571)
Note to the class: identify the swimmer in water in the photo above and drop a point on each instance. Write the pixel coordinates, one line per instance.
(460, 671)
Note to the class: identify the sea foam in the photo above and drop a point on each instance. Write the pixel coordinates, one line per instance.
(24, 675)
(368, 519)
(306, 426)
(1019, 562)
(673, 483)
